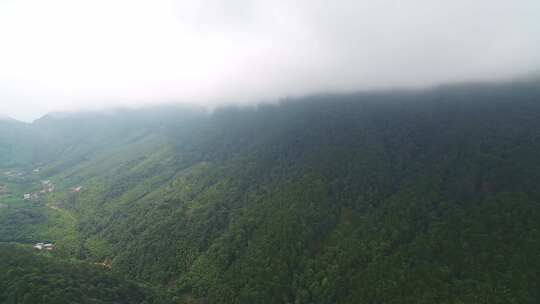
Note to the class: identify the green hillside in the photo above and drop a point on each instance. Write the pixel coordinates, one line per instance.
(380, 197)
(30, 278)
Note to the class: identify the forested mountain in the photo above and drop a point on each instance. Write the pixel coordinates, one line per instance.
(18, 142)
(30, 278)
(422, 196)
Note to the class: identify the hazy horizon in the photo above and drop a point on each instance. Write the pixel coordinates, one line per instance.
(77, 55)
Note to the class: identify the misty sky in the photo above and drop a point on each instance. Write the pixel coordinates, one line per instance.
(63, 55)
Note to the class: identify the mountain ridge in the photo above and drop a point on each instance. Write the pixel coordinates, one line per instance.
(525, 81)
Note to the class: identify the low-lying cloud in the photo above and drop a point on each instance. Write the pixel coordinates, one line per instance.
(66, 55)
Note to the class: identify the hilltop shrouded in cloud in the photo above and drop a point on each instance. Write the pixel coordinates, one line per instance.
(68, 55)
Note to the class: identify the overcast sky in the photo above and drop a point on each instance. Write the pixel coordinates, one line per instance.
(63, 55)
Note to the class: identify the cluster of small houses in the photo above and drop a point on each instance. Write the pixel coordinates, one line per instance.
(47, 187)
(13, 173)
(44, 246)
(17, 173)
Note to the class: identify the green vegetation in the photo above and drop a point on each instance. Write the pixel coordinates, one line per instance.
(391, 197)
(31, 278)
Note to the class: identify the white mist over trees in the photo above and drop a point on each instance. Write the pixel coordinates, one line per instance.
(68, 55)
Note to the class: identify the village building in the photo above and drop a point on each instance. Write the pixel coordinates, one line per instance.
(44, 246)
(48, 246)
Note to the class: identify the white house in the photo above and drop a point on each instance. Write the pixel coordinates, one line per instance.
(43, 246)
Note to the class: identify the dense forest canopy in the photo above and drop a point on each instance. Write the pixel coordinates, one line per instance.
(31, 278)
(421, 196)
